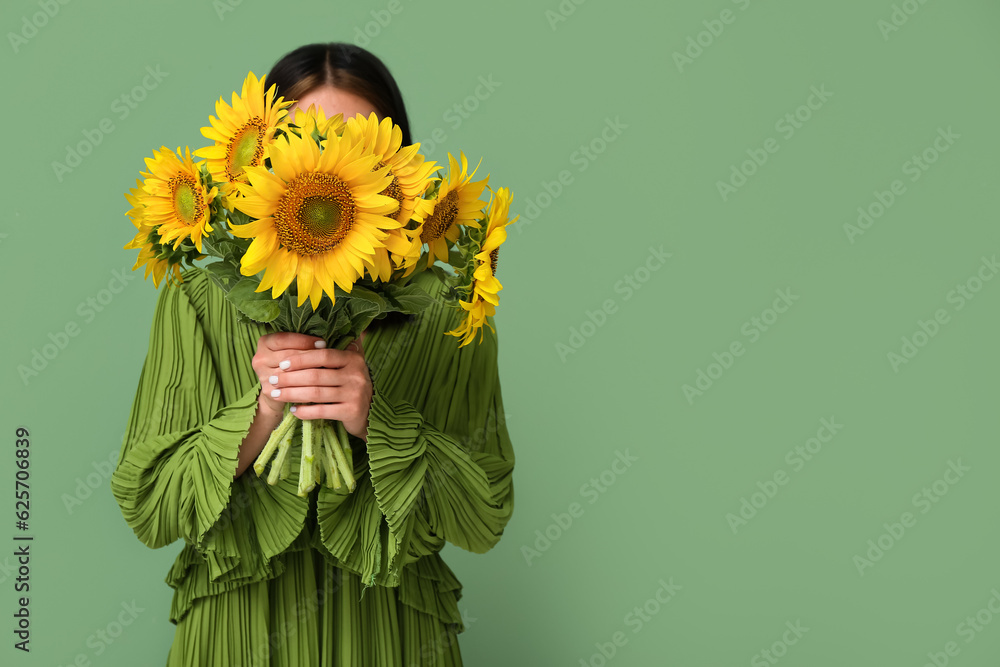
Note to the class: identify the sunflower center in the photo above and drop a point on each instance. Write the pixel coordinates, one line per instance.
(494, 256)
(392, 190)
(320, 216)
(187, 198)
(246, 148)
(442, 219)
(315, 213)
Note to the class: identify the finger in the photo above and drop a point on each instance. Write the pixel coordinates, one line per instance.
(334, 411)
(314, 377)
(265, 392)
(288, 340)
(320, 359)
(312, 394)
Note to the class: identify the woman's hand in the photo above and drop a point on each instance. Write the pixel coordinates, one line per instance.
(323, 383)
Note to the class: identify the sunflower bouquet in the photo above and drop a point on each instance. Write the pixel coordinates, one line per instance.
(333, 218)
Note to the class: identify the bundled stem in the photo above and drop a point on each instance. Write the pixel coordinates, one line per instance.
(329, 462)
(326, 452)
(273, 442)
(280, 467)
(306, 470)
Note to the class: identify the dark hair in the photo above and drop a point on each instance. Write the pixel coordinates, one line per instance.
(343, 66)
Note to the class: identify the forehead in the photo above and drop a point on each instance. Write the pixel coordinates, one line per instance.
(336, 100)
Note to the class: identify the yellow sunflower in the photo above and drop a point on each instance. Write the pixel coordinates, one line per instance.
(149, 255)
(319, 217)
(135, 197)
(477, 312)
(243, 133)
(314, 119)
(176, 200)
(485, 284)
(483, 298)
(146, 241)
(411, 176)
(457, 203)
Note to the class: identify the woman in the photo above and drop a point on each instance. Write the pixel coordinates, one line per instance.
(270, 578)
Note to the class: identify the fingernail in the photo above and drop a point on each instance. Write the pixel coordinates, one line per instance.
(284, 364)
(275, 393)
(292, 409)
(320, 343)
(273, 379)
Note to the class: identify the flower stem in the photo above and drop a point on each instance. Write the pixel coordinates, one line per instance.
(348, 453)
(276, 437)
(279, 467)
(346, 469)
(306, 470)
(329, 464)
(286, 468)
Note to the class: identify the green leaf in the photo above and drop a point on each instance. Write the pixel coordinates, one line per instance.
(357, 308)
(456, 258)
(258, 306)
(340, 326)
(300, 315)
(325, 310)
(410, 299)
(237, 217)
(365, 294)
(442, 275)
(316, 326)
(242, 318)
(358, 313)
(224, 274)
(209, 247)
(231, 248)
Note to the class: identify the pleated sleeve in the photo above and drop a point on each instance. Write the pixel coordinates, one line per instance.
(175, 474)
(441, 473)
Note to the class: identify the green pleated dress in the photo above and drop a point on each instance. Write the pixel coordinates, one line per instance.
(269, 578)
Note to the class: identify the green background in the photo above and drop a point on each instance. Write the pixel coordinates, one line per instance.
(616, 386)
